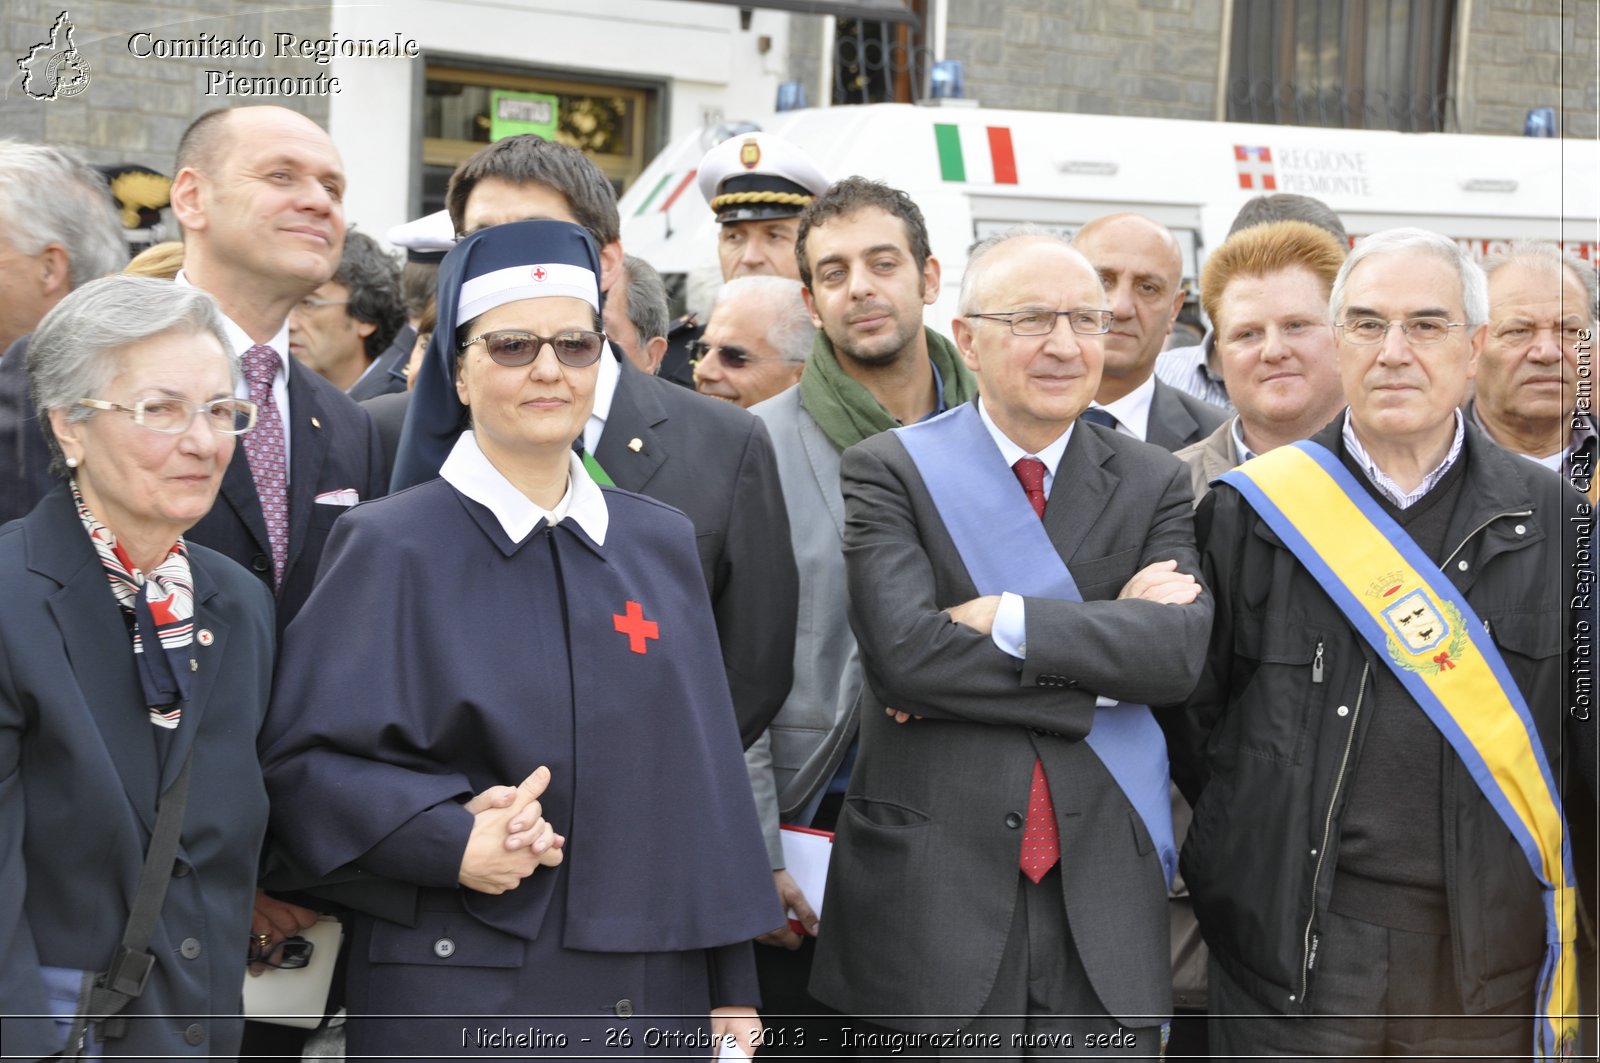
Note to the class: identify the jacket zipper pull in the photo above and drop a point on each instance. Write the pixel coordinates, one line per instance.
(1316, 664)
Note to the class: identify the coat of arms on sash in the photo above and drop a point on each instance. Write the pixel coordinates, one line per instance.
(1425, 635)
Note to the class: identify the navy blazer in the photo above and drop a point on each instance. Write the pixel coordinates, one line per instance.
(333, 445)
(715, 462)
(79, 779)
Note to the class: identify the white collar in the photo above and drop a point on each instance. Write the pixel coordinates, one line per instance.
(240, 339)
(1240, 448)
(1050, 455)
(471, 473)
(1132, 411)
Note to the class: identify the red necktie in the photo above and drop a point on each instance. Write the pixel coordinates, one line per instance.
(1041, 842)
(264, 449)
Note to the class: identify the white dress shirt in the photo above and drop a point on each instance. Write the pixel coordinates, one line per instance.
(241, 342)
(1132, 411)
(605, 389)
(1010, 631)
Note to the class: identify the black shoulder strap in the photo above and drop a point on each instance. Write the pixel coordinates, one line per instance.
(130, 968)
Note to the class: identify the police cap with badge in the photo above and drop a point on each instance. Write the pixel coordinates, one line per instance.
(757, 177)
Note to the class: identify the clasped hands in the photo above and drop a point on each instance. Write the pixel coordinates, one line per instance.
(510, 837)
(1159, 582)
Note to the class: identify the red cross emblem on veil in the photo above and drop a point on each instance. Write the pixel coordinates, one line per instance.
(633, 624)
(539, 273)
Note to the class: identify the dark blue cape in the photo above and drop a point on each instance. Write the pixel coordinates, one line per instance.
(436, 658)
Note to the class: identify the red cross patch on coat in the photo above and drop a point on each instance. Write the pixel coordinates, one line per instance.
(633, 624)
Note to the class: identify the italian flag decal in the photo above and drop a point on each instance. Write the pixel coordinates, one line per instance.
(975, 153)
(670, 200)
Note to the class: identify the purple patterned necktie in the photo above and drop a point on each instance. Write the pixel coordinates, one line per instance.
(263, 447)
(1041, 841)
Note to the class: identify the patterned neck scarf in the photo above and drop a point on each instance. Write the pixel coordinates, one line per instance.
(160, 608)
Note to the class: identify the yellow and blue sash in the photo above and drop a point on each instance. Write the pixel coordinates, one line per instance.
(1422, 626)
(1004, 547)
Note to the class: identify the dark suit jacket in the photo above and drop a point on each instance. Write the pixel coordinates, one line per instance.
(1178, 419)
(714, 461)
(79, 779)
(388, 412)
(333, 445)
(24, 458)
(924, 874)
(387, 373)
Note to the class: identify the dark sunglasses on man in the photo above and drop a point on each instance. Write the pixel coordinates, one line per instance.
(732, 357)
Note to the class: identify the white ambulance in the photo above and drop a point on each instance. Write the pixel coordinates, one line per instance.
(976, 171)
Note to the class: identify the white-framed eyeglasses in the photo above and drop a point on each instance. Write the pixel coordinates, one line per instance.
(169, 416)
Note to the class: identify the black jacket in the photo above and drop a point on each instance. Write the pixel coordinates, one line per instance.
(1277, 723)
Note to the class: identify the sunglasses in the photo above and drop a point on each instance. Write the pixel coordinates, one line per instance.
(577, 348)
(732, 357)
(290, 954)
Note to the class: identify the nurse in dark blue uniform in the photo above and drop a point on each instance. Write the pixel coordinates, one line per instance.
(504, 704)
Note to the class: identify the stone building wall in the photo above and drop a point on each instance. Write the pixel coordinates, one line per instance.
(133, 110)
(1531, 53)
(1133, 57)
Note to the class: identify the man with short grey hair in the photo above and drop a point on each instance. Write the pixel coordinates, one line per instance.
(756, 340)
(58, 230)
(1020, 583)
(1391, 613)
(1540, 342)
(636, 314)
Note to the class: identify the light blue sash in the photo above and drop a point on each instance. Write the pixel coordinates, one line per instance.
(1004, 547)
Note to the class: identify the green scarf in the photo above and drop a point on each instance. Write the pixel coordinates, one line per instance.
(846, 411)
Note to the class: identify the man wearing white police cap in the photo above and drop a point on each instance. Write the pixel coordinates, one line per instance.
(757, 184)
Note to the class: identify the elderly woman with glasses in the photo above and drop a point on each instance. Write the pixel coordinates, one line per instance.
(529, 772)
(135, 669)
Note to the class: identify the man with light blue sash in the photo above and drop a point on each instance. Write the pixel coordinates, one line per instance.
(1021, 587)
(868, 269)
(1378, 858)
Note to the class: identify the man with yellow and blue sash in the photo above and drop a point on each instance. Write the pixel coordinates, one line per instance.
(1021, 588)
(1378, 857)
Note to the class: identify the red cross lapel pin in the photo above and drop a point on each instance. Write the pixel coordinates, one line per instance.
(633, 624)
